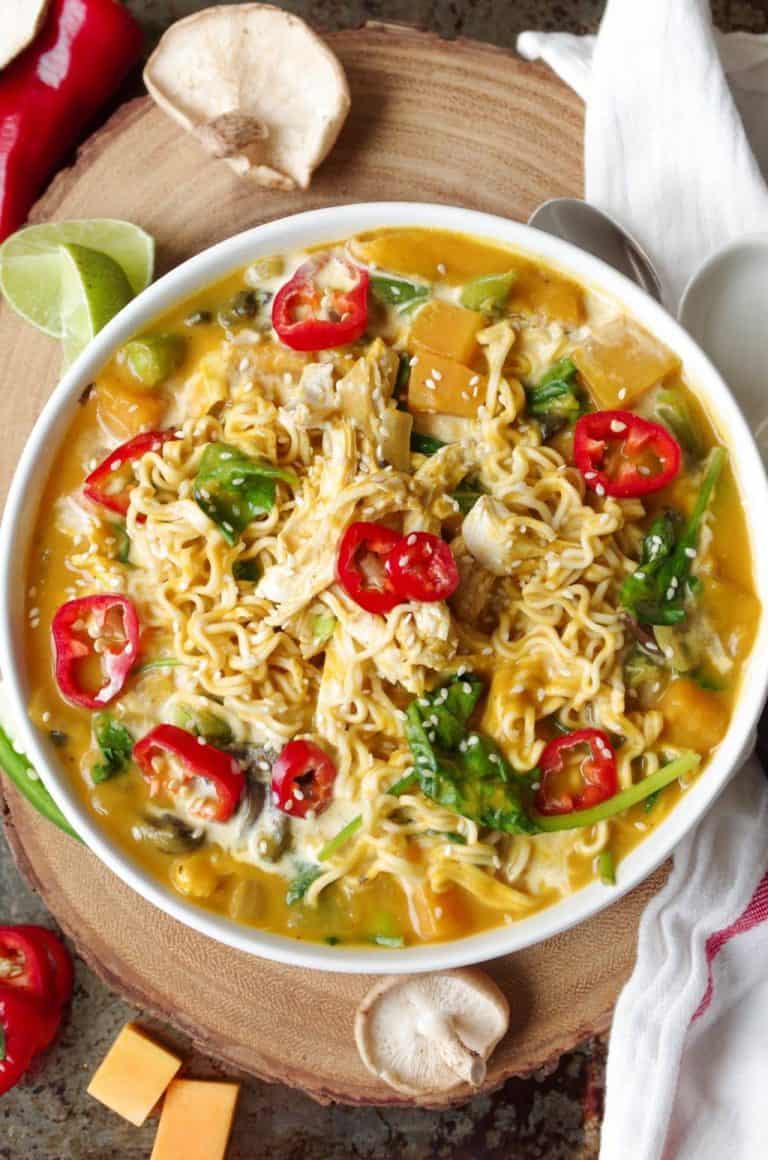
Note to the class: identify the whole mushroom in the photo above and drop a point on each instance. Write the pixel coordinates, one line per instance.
(256, 86)
(424, 1034)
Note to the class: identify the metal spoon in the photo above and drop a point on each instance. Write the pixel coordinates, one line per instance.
(594, 231)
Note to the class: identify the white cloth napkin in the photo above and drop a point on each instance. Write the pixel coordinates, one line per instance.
(674, 150)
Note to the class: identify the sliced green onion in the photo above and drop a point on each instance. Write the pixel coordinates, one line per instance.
(606, 868)
(338, 840)
(387, 940)
(343, 836)
(160, 663)
(489, 293)
(21, 773)
(686, 763)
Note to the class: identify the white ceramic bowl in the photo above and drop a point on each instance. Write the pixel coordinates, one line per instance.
(296, 232)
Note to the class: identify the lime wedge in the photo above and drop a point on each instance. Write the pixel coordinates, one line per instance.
(93, 288)
(32, 274)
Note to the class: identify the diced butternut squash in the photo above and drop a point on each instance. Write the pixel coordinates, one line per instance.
(694, 718)
(621, 361)
(435, 255)
(538, 292)
(134, 1075)
(447, 330)
(437, 915)
(440, 385)
(123, 412)
(196, 1120)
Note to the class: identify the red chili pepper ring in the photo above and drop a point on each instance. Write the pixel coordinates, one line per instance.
(324, 304)
(597, 772)
(196, 759)
(623, 455)
(95, 632)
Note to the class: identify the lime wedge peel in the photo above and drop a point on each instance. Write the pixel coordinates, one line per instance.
(36, 274)
(94, 288)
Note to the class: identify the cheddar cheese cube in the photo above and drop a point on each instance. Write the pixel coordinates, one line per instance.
(134, 1075)
(196, 1120)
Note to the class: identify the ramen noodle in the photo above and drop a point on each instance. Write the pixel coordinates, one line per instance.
(388, 592)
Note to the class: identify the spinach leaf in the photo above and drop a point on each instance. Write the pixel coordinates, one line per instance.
(401, 293)
(299, 886)
(656, 592)
(246, 571)
(464, 771)
(425, 444)
(556, 400)
(467, 494)
(116, 745)
(232, 489)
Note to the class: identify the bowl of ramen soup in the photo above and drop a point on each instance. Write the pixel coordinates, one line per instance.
(380, 589)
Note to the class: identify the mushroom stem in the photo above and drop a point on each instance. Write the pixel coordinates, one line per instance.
(439, 1029)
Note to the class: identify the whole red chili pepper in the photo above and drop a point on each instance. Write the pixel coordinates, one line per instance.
(197, 759)
(624, 455)
(24, 964)
(23, 1035)
(302, 779)
(104, 627)
(310, 312)
(110, 483)
(597, 770)
(52, 91)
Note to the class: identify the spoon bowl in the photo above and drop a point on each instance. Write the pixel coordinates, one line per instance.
(725, 309)
(593, 230)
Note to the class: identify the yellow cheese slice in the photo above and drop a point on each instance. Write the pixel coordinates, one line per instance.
(134, 1075)
(196, 1120)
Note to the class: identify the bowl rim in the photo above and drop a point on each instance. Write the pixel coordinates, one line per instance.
(326, 225)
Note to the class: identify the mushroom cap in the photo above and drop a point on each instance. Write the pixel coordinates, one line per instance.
(236, 65)
(428, 1033)
(19, 25)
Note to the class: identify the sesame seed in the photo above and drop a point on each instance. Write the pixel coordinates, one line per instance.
(599, 489)
(430, 385)
(622, 394)
(617, 426)
(414, 360)
(436, 374)
(474, 380)
(441, 268)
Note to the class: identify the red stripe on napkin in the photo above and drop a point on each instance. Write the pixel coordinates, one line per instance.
(756, 912)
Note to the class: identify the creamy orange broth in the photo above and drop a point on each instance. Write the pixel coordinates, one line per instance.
(353, 909)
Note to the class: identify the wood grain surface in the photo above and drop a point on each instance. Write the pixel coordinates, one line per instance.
(431, 120)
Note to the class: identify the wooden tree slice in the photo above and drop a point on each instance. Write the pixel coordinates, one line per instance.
(431, 120)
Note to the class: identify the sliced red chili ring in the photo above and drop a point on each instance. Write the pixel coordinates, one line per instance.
(23, 1035)
(302, 779)
(624, 455)
(324, 304)
(98, 630)
(111, 482)
(197, 759)
(361, 566)
(597, 773)
(422, 567)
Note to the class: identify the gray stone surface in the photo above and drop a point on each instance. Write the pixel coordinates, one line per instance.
(548, 1117)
